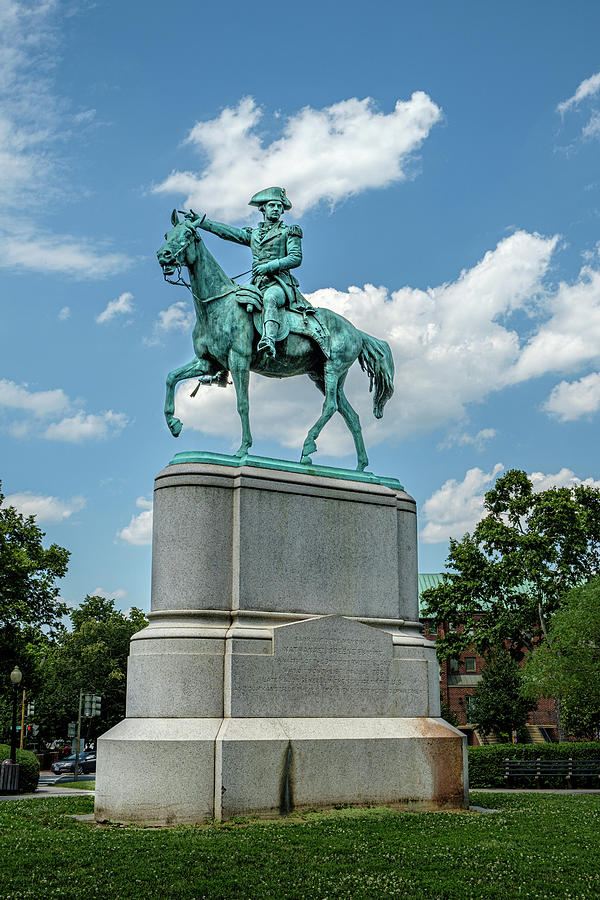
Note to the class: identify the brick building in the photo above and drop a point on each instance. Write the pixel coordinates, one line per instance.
(458, 678)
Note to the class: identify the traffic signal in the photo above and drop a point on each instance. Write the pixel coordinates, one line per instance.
(92, 705)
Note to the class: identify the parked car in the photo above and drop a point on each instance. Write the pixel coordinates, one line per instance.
(87, 764)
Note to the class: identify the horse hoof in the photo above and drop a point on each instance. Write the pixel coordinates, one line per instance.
(362, 466)
(242, 451)
(305, 460)
(175, 427)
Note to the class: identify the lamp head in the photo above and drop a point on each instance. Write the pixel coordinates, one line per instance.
(16, 675)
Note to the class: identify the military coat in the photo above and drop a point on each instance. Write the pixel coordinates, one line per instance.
(279, 246)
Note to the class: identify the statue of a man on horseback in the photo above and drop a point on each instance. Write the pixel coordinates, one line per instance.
(276, 250)
(229, 317)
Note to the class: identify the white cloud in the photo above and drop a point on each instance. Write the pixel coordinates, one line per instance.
(139, 531)
(570, 336)
(589, 87)
(73, 427)
(20, 430)
(177, 317)
(86, 116)
(84, 427)
(586, 91)
(34, 126)
(118, 594)
(118, 307)
(284, 411)
(39, 403)
(572, 400)
(56, 253)
(64, 313)
(456, 507)
(30, 112)
(464, 439)
(322, 155)
(592, 128)
(45, 509)
(564, 478)
(452, 345)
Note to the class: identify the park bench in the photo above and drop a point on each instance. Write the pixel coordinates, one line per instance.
(540, 768)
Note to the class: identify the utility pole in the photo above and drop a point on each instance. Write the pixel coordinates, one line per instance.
(78, 739)
(22, 719)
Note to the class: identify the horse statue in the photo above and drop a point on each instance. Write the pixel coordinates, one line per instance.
(225, 340)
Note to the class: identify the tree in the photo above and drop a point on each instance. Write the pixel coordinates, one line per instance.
(498, 701)
(507, 578)
(30, 605)
(567, 664)
(29, 596)
(93, 658)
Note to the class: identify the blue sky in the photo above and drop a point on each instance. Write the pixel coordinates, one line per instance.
(443, 162)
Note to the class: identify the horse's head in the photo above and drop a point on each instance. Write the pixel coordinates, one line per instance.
(179, 246)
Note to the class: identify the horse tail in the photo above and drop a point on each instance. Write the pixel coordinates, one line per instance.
(376, 359)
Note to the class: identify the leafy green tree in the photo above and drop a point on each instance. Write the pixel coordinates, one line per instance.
(567, 664)
(93, 658)
(498, 701)
(507, 578)
(29, 596)
(30, 605)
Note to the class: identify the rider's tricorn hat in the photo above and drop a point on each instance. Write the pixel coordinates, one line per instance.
(272, 193)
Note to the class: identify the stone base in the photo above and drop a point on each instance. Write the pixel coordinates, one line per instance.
(283, 666)
(169, 771)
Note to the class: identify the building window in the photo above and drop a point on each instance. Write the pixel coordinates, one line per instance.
(454, 666)
(470, 664)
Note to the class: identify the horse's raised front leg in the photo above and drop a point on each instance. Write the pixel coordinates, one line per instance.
(239, 366)
(194, 369)
(330, 383)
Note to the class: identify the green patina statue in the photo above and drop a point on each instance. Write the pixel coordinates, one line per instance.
(267, 326)
(276, 248)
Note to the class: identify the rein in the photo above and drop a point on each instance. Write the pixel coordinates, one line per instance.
(182, 282)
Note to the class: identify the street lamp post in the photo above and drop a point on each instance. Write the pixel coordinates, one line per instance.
(15, 677)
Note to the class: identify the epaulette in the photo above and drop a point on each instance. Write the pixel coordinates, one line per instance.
(295, 231)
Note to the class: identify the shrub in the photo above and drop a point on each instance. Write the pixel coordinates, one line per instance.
(29, 772)
(486, 764)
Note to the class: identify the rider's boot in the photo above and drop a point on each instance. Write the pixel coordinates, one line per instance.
(267, 341)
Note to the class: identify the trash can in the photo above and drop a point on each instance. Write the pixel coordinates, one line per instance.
(9, 777)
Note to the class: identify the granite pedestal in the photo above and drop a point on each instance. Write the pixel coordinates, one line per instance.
(283, 667)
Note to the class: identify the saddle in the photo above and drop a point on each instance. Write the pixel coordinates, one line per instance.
(309, 324)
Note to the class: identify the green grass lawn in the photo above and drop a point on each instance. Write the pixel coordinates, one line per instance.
(535, 846)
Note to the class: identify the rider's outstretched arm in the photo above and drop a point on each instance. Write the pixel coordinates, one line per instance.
(228, 232)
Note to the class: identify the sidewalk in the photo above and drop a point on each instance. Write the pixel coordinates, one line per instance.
(48, 790)
(511, 790)
(50, 786)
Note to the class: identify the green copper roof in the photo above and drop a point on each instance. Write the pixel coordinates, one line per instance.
(429, 580)
(284, 465)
